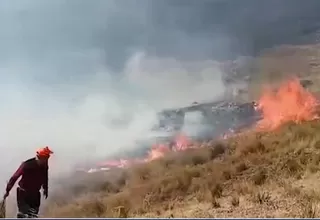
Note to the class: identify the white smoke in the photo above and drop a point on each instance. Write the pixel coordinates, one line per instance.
(59, 86)
(81, 121)
(87, 77)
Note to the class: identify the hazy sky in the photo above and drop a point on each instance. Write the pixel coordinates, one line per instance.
(70, 68)
(57, 33)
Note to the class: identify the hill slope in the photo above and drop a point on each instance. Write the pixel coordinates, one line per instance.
(256, 174)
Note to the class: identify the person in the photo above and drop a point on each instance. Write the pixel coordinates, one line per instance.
(34, 175)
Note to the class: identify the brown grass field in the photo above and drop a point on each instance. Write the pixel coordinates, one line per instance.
(256, 174)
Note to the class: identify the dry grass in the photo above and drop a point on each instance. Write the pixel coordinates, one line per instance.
(253, 175)
(261, 197)
(235, 201)
(254, 169)
(308, 211)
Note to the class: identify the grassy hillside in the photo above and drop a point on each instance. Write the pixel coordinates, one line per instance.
(256, 174)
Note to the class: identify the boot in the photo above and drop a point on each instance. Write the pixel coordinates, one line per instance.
(21, 215)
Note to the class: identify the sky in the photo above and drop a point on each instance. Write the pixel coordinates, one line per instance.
(70, 70)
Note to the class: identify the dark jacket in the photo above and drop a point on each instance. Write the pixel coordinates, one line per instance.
(33, 176)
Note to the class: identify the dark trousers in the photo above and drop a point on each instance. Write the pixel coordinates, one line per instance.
(28, 203)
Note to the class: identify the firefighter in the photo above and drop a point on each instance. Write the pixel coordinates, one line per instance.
(34, 175)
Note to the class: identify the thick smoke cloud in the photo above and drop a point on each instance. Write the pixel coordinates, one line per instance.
(73, 71)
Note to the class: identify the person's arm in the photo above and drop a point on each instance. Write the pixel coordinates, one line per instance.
(15, 177)
(45, 183)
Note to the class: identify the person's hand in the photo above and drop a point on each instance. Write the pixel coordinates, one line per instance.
(45, 194)
(6, 195)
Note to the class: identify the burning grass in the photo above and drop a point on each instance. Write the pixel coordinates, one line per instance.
(290, 153)
(256, 174)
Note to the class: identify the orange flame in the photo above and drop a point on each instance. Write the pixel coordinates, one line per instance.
(156, 152)
(291, 102)
(182, 142)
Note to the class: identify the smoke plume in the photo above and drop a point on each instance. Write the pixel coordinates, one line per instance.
(87, 77)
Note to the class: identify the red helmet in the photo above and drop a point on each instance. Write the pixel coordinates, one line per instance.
(44, 152)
